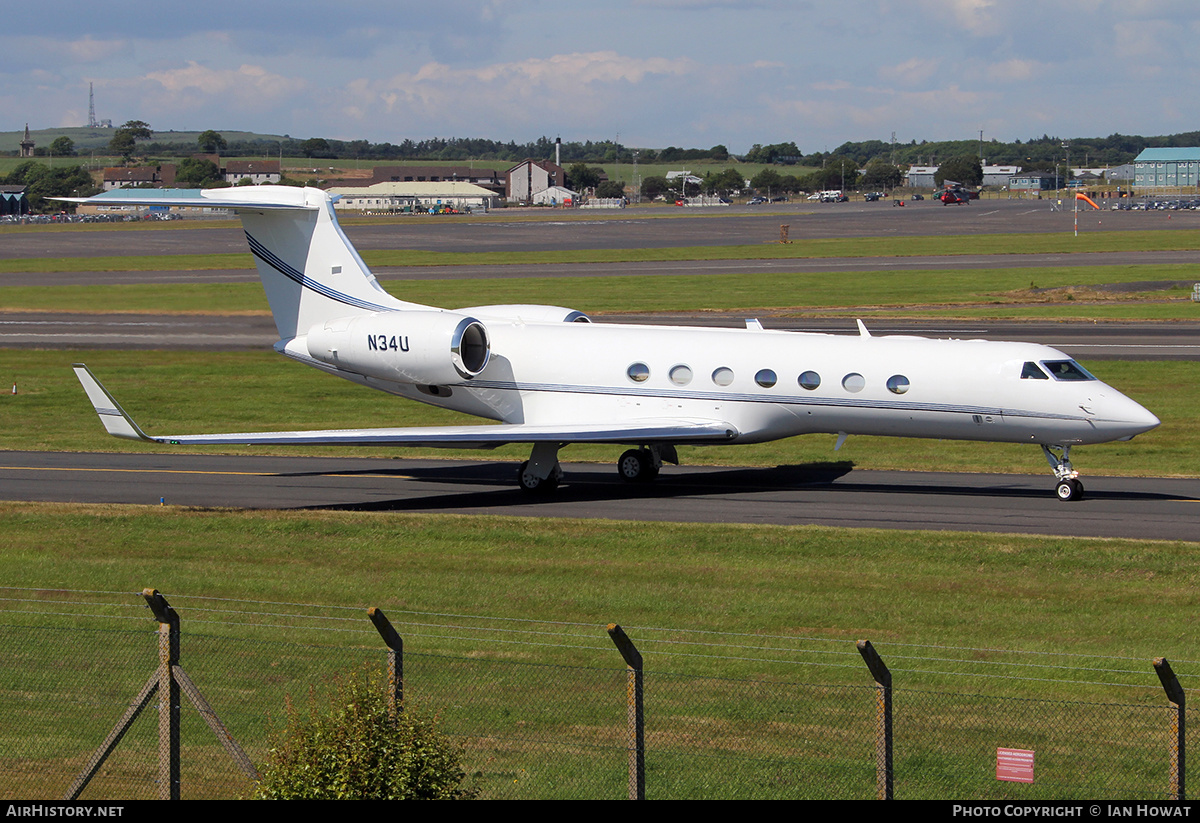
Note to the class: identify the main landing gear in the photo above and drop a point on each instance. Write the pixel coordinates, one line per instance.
(1068, 486)
(541, 473)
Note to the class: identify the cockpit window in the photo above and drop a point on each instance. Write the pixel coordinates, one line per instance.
(1067, 370)
(1032, 372)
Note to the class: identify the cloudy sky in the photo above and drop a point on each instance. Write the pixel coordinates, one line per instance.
(651, 72)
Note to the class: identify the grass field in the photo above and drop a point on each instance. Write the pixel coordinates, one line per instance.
(748, 634)
(947, 246)
(1061, 292)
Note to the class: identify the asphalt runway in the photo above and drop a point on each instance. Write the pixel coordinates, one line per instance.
(832, 494)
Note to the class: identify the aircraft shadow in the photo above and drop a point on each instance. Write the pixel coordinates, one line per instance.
(602, 486)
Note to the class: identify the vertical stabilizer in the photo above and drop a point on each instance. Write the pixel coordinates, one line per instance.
(309, 269)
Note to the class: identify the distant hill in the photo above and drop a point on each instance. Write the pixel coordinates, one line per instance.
(1044, 151)
(97, 139)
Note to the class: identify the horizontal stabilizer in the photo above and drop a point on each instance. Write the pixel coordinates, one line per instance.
(119, 424)
(265, 198)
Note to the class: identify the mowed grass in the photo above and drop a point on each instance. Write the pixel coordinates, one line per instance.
(754, 687)
(822, 248)
(177, 392)
(1033, 593)
(981, 292)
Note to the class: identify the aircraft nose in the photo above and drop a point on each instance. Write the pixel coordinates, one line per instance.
(1130, 417)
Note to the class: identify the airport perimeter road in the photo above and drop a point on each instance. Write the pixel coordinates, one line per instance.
(831, 494)
(1086, 341)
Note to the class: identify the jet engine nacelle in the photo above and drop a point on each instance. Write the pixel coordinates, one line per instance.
(529, 313)
(421, 347)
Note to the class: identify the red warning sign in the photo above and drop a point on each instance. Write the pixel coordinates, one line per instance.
(1015, 765)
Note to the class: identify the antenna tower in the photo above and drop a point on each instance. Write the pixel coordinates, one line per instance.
(92, 107)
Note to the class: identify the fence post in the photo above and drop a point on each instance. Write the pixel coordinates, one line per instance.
(168, 694)
(395, 657)
(883, 719)
(1175, 694)
(635, 716)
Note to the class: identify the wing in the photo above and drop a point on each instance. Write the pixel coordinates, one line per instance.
(679, 430)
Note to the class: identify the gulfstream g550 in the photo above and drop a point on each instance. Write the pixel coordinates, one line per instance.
(550, 377)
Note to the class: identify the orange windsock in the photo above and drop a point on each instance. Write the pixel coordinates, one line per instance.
(1081, 196)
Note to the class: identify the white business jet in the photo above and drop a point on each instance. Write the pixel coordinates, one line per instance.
(551, 377)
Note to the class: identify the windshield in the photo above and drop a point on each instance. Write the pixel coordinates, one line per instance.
(1067, 370)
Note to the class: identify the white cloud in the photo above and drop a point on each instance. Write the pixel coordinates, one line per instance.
(246, 84)
(562, 85)
(911, 72)
(1012, 71)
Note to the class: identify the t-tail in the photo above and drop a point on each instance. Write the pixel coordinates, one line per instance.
(310, 271)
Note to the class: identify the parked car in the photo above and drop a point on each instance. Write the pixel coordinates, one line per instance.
(754, 201)
(917, 197)
(872, 196)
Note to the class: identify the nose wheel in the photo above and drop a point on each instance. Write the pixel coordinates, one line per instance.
(1068, 488)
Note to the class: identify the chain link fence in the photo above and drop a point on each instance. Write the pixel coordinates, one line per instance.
(541, 709)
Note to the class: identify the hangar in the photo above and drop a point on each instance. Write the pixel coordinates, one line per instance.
(1167, 168)
(393, 197)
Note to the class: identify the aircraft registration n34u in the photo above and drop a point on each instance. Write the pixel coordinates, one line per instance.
(550, 377)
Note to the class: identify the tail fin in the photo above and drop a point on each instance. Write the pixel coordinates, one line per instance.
(309, 269)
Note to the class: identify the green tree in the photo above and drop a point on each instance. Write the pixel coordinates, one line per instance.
(42, 182)
(580, 177)
(611, 188)
(211, 142)
(62, 146)
(880, 174)
(767, 180)
(138, 129)
(122, 143)
(725, 182)
(124, 139)
(356, 748)
(654, 186)
(316, 147)
(197, 173)
(963, 169)
(839, 173)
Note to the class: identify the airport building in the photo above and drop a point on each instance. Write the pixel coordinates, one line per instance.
(256, 171)
(527, 179)
(1167, 168)
(404, 196)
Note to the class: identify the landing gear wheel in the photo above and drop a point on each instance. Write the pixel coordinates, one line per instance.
(1069, 490)
(532, 484)
(637, 466)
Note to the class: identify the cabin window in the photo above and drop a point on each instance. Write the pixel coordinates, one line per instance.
(681, 375)
(810, 380)
(1067, 370)
(723, 376)
(854, 382)
(766, 378)
(639, 372)
(1030, 371)
(897, 384)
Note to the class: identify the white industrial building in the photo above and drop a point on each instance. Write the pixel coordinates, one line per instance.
(404, 196)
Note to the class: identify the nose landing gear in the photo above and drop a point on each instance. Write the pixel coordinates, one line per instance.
(1068, 487)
